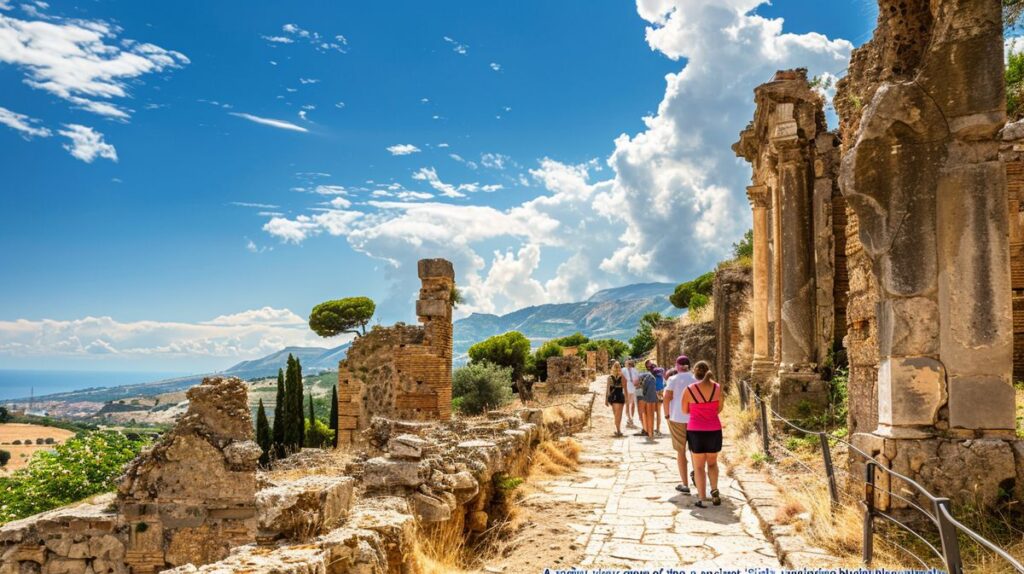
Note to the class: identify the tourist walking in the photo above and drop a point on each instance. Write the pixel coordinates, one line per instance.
(703, 401)
(659, 386)
(632, 377)
(677, 419)
(648, 399)
(615, 395)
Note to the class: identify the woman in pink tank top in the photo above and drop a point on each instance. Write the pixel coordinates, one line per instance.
(703, 401)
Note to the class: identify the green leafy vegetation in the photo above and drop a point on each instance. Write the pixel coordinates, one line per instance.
(1012, 12)
(617, 350)
(510, 350)
(643, 342)
(350, 315)
(507, 483)
(83, 466)
(318, 435)
(481, 386)
(684, 293)
(279, 416)
(5, 415)
(574, 340)
(456, 297)
(294, 426)
(1015, 85)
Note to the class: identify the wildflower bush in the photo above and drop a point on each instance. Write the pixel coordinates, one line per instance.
(85, 465)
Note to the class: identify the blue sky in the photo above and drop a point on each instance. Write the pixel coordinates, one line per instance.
(184, 181)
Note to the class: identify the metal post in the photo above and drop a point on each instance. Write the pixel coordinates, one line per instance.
(948, 535)
(826, 455)
(743, 395)
(869, 512)
(764, 428)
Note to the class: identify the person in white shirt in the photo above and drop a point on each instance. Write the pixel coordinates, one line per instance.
(632, 377)
(677, 419)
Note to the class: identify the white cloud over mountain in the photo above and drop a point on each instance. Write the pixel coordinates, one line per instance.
(674, 203)
(243, 335)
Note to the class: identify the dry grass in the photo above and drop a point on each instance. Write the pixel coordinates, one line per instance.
(553, 458)
(703, 315)
(441, 548)
(20, 454)
(446, 548)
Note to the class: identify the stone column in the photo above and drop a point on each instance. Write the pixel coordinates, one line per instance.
(924, 178)
(796, 264)
(760, 196)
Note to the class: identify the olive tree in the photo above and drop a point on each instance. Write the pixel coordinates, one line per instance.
(349, 315)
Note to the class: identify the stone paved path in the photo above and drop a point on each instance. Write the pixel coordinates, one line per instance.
(637, 519)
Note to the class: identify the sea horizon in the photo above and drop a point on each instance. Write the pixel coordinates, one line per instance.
(16, 384)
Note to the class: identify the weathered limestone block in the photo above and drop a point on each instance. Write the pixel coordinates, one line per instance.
(384, 472)
(410, 446)
(303, 508)
(732, 292)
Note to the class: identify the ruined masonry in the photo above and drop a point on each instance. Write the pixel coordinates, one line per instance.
(195, 502)
(799, 276)
(921, 109)
(404, 371)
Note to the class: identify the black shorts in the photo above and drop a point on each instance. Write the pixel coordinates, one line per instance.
(704, 442)
(617, 396)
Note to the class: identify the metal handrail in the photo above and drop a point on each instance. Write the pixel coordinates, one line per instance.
(948, 526)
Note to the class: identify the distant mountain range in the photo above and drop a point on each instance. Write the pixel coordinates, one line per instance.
(611, 313)
(314, 360)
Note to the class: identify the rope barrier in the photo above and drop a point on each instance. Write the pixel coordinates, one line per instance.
(948, 527)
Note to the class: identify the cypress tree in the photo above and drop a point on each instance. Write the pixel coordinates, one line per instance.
(333, 422)
(311, 434)
(279, 415)
(291, 435)
(264, 438)
(300, 423)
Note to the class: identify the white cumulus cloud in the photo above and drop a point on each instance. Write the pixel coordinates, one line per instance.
(671, 207)
(86, 143)
(27, 126)
(403, 149)
(81, 61)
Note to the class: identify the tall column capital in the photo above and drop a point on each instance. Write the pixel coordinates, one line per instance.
(759, 195)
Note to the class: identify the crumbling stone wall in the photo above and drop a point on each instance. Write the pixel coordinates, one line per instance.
(566, 374)
(861, 339)
(192, 496)
(188, 499)
(799, 270)
(402, 371)
(1011, 153)
(364, 521)
(732, 290)
(921, 109)
(666, 341)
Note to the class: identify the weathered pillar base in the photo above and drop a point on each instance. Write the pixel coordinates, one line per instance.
(800, 394)
(983, 473)
(762, 372)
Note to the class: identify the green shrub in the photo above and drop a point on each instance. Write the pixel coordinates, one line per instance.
(699, 301)
(508, 350)
(684, 292)
(574, 340)
(644, 341)
(5, 456)
(481, 386)
(319, 436)
(617, 350)
(86, 464)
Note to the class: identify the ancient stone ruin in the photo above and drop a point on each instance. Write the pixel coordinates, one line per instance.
(921, 110)
(196, 502)
(404, 371)
(566, 374)
(798, 267)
